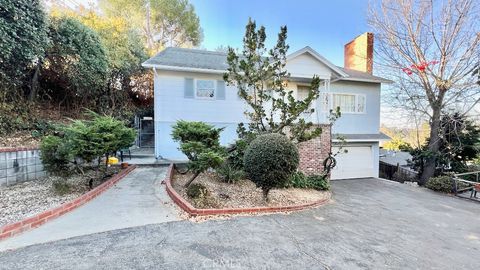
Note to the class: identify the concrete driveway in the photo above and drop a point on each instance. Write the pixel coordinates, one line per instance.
(372, 224)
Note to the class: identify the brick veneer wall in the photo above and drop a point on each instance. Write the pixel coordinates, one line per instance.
(313, 152)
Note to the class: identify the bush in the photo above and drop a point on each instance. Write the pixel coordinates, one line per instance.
(61, 187)
(300, 180)
(229, 174)
(270, 160)
(235, 156)
(440, 183)
(55, 154)
(196, 191)
(200, 142)
(84, 141)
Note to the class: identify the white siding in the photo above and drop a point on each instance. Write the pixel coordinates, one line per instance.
(305, 65)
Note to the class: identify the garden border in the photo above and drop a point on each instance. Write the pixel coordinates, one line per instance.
(192, 211)
(35, 221)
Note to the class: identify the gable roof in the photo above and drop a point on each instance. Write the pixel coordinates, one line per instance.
(320, 58)
(194, 60)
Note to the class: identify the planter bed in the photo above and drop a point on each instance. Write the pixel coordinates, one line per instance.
(30, 204)
(240, 197)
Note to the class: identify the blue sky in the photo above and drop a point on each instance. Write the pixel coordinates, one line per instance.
(325, 25)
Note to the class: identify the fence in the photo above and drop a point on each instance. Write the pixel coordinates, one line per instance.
(396, 172)
(20, 165)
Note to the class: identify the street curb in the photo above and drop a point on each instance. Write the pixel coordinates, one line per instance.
(35, 221)
(192, 211)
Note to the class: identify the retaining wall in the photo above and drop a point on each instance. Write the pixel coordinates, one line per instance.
(19, 165)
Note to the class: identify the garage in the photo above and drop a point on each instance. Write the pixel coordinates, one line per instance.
(357, 162)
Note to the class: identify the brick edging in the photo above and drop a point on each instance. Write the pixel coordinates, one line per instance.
(12, 229)
(192, 211)
(17, 149)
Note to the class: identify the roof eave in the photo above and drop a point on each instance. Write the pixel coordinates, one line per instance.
(365, 80)
(184, 69)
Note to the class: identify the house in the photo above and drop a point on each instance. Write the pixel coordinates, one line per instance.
(188, 85)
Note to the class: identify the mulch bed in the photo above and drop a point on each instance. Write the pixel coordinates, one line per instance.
(29, 198)
(242, 194)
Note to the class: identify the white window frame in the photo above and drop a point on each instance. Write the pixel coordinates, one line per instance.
(331, 107)
(214, 89)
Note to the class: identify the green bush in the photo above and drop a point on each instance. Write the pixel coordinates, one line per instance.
(61, 187)
(237, 153)
(229, 174)
(440, 183)
(200, 142)
(55, 154)
(196, 191)
(84, 141)
(270, 160)
(300, 180)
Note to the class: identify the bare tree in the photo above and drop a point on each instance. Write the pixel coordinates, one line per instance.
(430, 50)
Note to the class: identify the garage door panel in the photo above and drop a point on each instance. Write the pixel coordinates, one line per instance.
(357, 162)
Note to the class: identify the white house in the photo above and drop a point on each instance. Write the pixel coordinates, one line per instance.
(189, 86)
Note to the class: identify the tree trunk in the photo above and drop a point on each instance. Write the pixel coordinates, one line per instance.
(433, 146)
(191, 179)
(32, 96)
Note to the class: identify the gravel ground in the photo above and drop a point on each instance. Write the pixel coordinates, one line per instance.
(30, 198)
(244, 193)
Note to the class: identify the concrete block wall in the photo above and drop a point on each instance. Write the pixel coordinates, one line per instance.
(19, 165)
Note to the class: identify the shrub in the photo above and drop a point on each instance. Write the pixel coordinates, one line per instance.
(236, 154)
(318, 182)
(55, 154)
(196, 191)
(86, 141)
(229, 174)
(200, 142)
(61, 187)
(300, 180)
(440, 183)
(270, 160)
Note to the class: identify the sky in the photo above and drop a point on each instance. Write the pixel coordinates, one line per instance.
(324, 25)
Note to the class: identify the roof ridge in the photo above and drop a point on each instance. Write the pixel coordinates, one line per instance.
(196, 50)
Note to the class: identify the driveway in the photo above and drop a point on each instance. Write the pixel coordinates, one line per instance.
(372, 224)
(138, 199)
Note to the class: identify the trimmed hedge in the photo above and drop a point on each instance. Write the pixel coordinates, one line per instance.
(270, 160)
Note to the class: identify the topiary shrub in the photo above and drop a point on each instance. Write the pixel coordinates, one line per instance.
(270, 160)
(440, 183)
(200, 142)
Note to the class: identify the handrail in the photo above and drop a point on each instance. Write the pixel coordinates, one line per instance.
(467, 173)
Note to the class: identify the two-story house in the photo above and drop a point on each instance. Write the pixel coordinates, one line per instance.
(189, 86)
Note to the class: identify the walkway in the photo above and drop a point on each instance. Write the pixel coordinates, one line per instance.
(138, 199)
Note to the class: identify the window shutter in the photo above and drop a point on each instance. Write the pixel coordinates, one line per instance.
(189, 89)
(221, 90)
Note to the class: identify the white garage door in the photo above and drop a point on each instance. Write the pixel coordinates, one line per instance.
(356, 163)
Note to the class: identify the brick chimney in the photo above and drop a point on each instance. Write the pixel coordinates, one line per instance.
(359, 53)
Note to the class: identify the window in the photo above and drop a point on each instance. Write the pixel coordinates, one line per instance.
(302, 92)
(348, 103)
(205, 89)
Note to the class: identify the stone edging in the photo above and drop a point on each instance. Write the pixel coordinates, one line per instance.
(12, 229)
(192, 211)
(17, 149)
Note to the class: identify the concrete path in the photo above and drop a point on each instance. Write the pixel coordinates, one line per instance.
(373, 224)
(138, 199)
